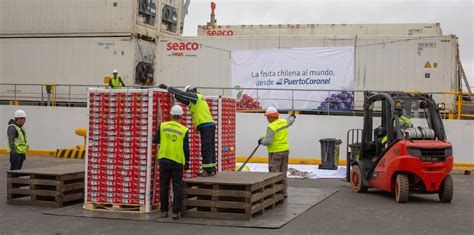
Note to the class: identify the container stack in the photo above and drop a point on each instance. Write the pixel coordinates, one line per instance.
(63, 45)
(121, 168)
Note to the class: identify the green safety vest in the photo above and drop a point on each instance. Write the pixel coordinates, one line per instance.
(116, 84)
(405, 122)
(171, 141)
(200, 112)
(280, 137)
(21, 142)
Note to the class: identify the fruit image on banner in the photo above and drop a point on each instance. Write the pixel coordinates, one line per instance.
(246, 102)
(338, 101)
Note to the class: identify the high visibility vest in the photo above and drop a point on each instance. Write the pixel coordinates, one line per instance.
(200, 112)
(172, 141)
(280, 137)
(405, 122)
(21, 141)
(116, 84)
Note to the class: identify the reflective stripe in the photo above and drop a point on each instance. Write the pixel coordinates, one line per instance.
(173, 131)
(281, 128)
(209, 165)
(172, 141)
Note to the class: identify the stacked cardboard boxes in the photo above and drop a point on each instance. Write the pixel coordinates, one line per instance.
(121, 159)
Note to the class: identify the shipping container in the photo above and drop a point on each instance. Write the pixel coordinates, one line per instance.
(382, 62)
(80, 61)
(430, 29)
(53, 18)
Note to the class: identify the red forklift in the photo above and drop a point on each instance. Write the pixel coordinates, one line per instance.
(401, 155)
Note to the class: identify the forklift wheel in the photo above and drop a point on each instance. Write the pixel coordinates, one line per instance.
(402, 188)
(446, 190)
(356, 180)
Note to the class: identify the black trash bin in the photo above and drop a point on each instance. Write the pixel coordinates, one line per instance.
(329, 153)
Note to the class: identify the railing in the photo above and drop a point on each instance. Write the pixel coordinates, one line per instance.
(459, 105)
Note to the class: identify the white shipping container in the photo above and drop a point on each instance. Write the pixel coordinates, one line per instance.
(432, 29)
(382, 63)
(80, 61)
(26, 18)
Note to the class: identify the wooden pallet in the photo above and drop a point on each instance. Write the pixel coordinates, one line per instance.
(111, 207)
(233, 195)
(49, 186)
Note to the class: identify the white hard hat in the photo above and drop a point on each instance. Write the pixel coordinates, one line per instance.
(20, 114)
(190, 88)
(176, 110)
(115, 71)
(272, 112)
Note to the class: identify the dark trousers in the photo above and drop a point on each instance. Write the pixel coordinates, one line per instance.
(16, 161)
(171, 171)
(208, 145)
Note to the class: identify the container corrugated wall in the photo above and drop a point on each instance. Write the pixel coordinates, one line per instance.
(83, 61)
(428, 29)
(51, 18)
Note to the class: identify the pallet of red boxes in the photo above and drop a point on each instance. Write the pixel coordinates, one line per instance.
(122, 173)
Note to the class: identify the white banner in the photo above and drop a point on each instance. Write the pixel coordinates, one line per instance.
(295, 68)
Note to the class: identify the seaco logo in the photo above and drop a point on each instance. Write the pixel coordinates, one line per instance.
(182, 46)
(227, 33)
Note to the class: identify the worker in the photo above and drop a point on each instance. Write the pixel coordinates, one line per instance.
(404, 120)
(202, 121)
(276, 140)
(172, 155)
(17, 140)
(115, 81)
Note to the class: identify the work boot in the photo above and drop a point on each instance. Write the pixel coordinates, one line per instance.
(164, 214)
(176, 215)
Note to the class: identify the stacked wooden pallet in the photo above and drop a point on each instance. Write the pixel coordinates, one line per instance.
(114, 207)
(50, 186)
(232, 195)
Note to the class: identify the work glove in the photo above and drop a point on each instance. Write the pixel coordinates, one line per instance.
(163, 86)
(260, 140)
(292, 113)
(186, 166)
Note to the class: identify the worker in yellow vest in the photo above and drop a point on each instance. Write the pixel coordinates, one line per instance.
(17, 140)
(115, 81)
(202, 121)
(405, 123)
(276, 140)
(173, 155)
